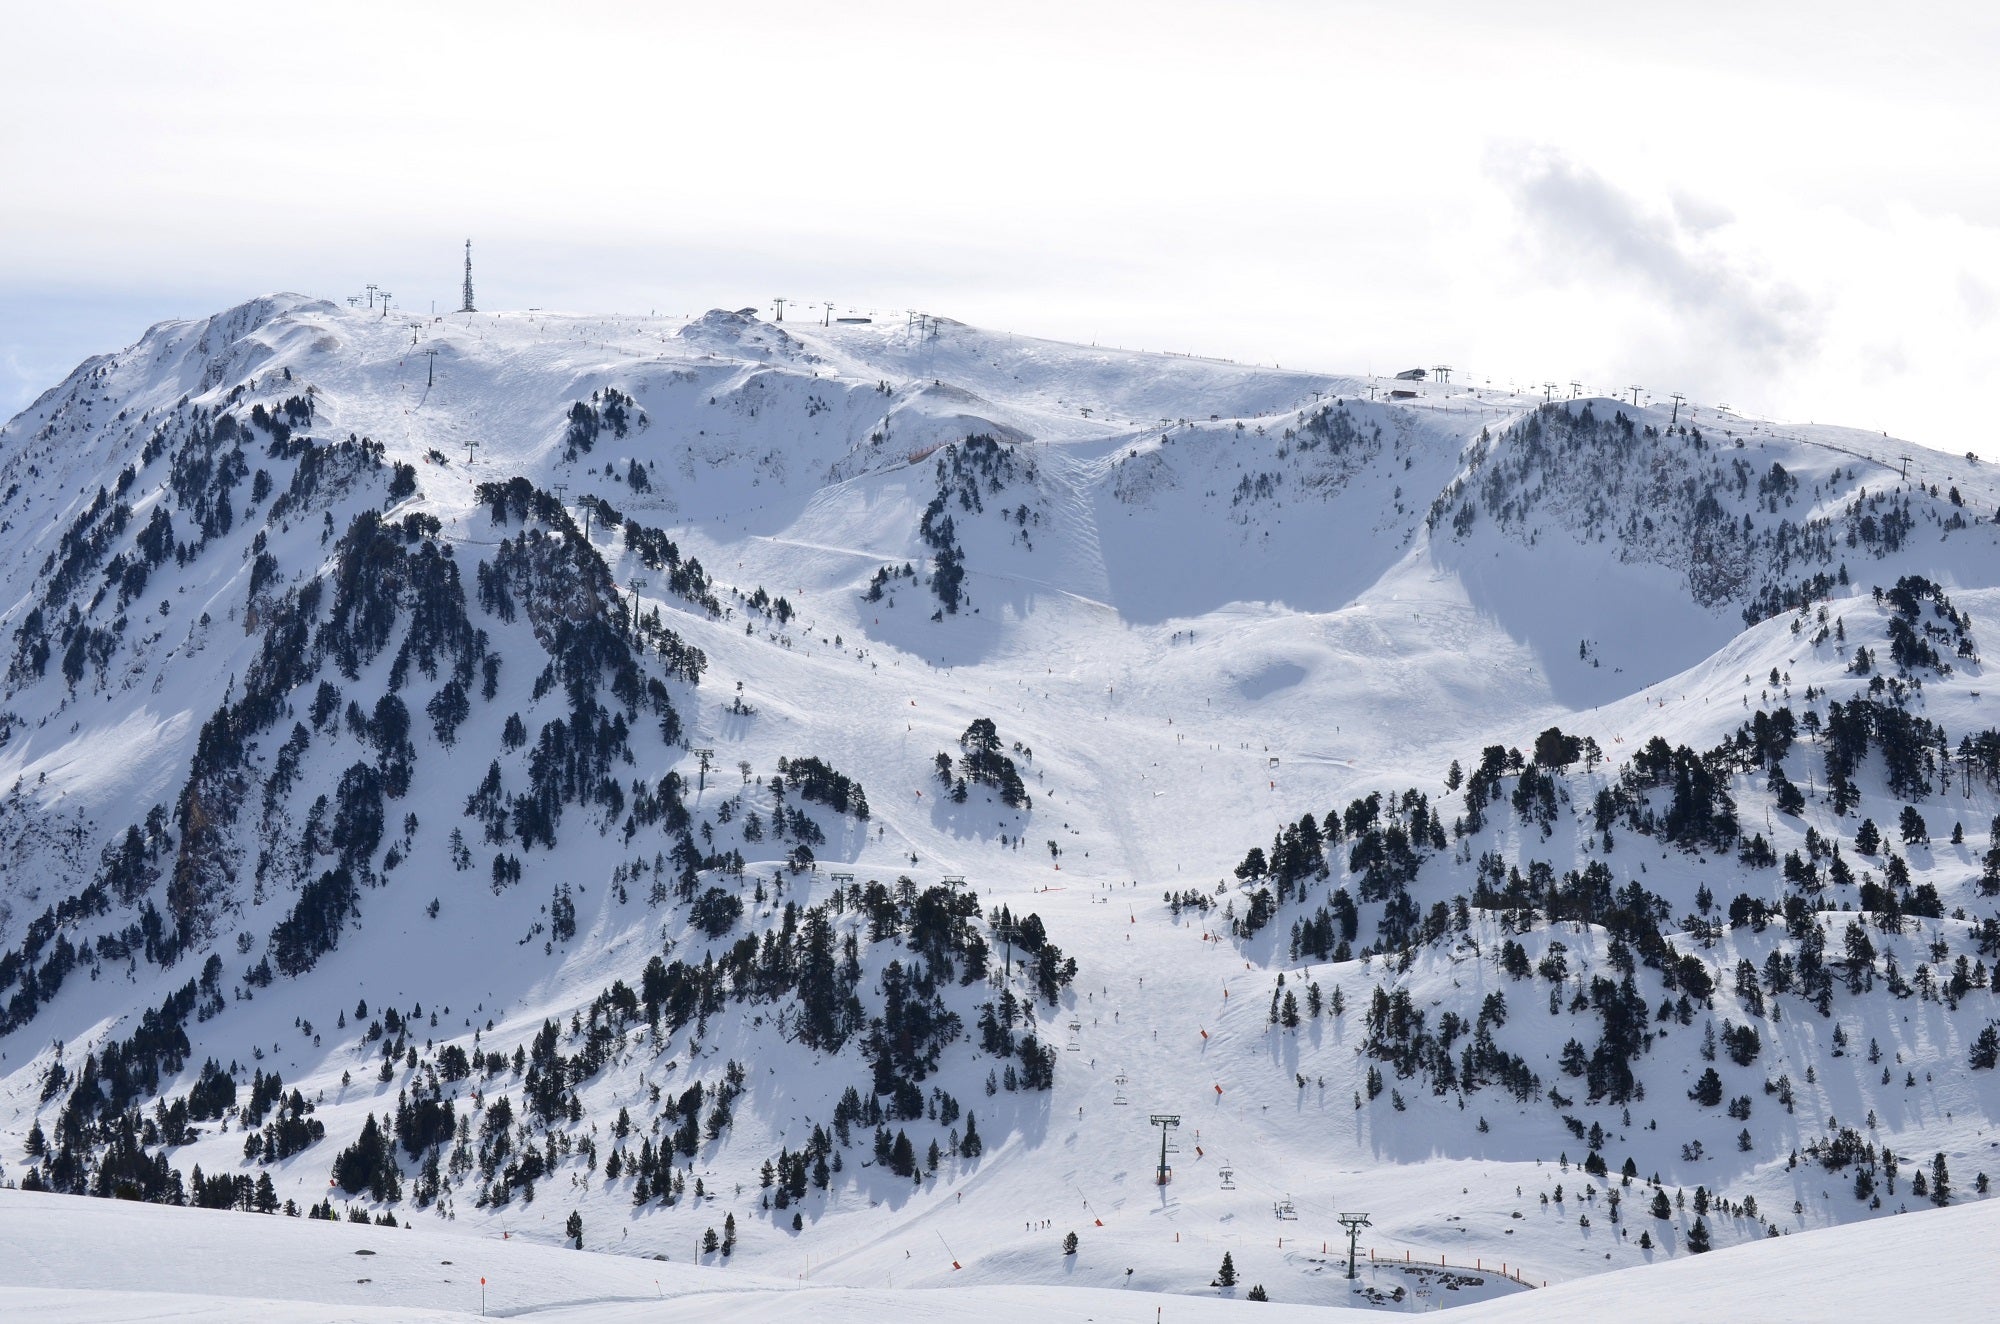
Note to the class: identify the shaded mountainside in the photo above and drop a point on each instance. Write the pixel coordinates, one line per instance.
(465, 771)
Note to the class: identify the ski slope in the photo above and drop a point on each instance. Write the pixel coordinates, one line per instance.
(163, 1268)
(1191, 667)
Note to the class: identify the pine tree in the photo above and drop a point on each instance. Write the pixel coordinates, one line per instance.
(369, 1164)
(573, 1230)
(1940, 1182)
(1257, 1293)
(729, 1233)
(1226, 1275)
(1985, 1053)
(1069, 1244)
(1698, 1236)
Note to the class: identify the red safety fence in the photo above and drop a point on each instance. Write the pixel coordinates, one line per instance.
(1505, 1270)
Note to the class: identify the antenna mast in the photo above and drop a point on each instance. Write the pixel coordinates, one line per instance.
(468, 308)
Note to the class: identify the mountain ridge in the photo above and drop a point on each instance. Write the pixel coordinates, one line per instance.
(841, 526)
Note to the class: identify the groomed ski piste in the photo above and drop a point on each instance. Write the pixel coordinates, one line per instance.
(145, 1263)
(1187, 659)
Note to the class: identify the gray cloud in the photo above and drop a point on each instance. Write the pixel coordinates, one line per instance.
(1586, 228)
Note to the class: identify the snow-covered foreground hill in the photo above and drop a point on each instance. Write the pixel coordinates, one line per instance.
(71, 1262)
(450, 774)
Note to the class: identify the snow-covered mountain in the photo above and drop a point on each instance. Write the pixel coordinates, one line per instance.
(450, 771)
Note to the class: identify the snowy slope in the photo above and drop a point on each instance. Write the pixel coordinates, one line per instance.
(1202, 599)
(282, 1271)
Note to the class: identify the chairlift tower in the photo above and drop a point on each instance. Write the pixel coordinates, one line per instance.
(636, 583)
(1166, 1122)
(465, 294)
(1353, 1223)
(1677, 399)
(1575, 389)
(1635, 395)
(779, 305)
(371, 288)
(707, 758)
(1006, 933)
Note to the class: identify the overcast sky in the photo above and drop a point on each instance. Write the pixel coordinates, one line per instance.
(1791, 208)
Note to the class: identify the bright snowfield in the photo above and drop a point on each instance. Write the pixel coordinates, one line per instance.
(144, 1262)
(1199, 601)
